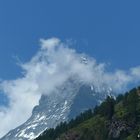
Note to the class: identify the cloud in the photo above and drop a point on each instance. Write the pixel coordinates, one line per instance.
(54, 64)
(50, 43)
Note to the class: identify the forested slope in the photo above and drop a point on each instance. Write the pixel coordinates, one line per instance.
(114, 119)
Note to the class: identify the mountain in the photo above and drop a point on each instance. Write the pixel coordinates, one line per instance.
(113, 119)
(65, 103)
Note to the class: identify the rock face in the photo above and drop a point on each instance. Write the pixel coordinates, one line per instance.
(116, 127)
(62, 105)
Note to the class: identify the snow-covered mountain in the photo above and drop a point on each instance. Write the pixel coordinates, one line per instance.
(63, 104)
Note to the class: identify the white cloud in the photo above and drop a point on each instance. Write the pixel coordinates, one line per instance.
(135, 72)
(53, 64)
(49, 43)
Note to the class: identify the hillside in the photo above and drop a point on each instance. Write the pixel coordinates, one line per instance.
(114, 119)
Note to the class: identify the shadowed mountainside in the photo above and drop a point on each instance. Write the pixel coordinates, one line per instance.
(114, 119)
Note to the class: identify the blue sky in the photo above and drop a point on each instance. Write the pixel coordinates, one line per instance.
(107, 30)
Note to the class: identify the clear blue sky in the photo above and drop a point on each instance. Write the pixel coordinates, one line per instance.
(109, 30)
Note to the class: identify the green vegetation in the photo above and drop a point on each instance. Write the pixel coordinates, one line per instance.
(114, 119)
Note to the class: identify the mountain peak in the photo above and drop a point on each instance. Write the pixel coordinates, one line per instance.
(65, 103)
